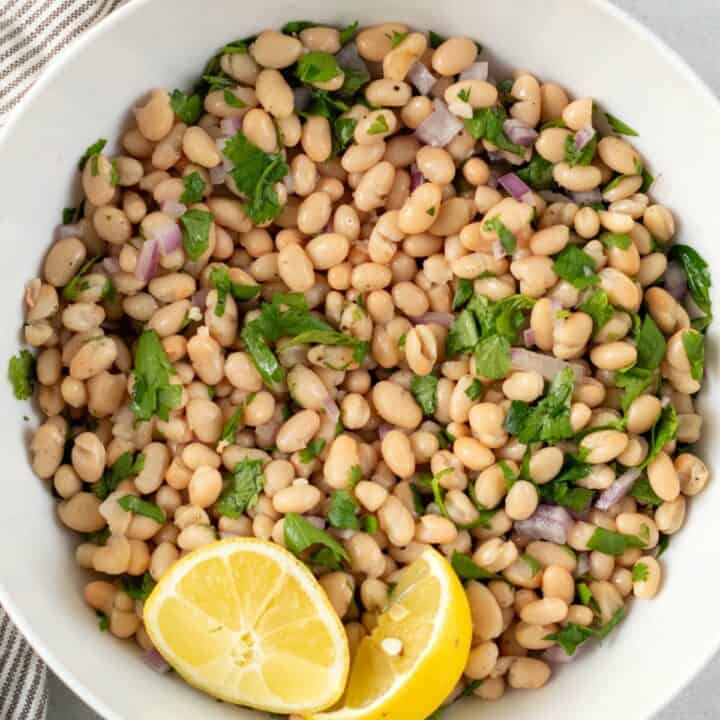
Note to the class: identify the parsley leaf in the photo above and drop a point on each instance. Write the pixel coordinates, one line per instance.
(561, 490)
(91, 154)
(348, 33)
(397, 38)
(152, 392)
(435, 40)
(134, 504)
(463, 293)
(613, 543)
(424, 389)
(378, 126)
(123, 468)
(640, 572)
(237, 47)
(354, 476)
(187, 107)
(231, 426)
(492, 357)
(643, 492)
(464, 95)
(698, 278)
(619, 126)
(317, 66)
(138, 587)
(21, 373)
(507, 239)
(241, 489)
(370, 525)
(311, 450)
(618, 240)
(343, 132)
(196, 226)
(301, 534)
(255, 173)
(78, 283)
(297, 26)
(635, 381)
(220, 280)
(576, 266)
(549, 420)
(571, 635)
(662, 545)
(343, 511)
(194, 187)
(475, 390)
(579, 156)
(232, 99)
(650, 344)
(694, 344)
(597, 306)
(664, 430)
(69, 214)
(538, 173)
(467, 569)
(487, 123)
(463, 335)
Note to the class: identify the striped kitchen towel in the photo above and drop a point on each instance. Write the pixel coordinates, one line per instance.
(32, 33)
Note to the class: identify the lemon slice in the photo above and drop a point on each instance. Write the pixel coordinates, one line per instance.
(413, 659)
(246, 622)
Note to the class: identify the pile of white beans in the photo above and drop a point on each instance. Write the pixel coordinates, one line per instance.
(370, 258)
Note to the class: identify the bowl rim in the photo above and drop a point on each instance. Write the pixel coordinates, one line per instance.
(694, 664)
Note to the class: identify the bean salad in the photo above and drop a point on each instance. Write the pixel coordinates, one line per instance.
(354, 288)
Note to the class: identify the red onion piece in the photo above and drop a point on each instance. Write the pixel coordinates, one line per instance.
(498, 250)
(230, 125)
(416, 177)
(529, 337)
(421, 78)
(675, 280)
(548, 522)
(477, 71)
(546, 365)
(155, 661)
(111, 265)
(495, 156)
(75, 230)
(318, 522)
(332, 409)
(583, 564)
(169, 238)
(587, 198)
(514, 185)
(434, 318)
(218, 174)
(440, 127)
(173, 209)
(583, 137)
(618, 490)
(302, 96)
(349, 58)
(384, 429)
(519, 132)
(556, 654)
(147, 263)
(553, 197)
(199, 298)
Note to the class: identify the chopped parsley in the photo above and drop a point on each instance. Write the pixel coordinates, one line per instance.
(576, 266)
(220, 280)
(487, 123)
(614, 543)
(241, 489)
(579, 156)
(397, 38)
(463, 293)
(317, 67)
(348, 33)
(643, 492)
(134, 504)
(597, 306)
(507, 239)
(312, 450)
(232, 100)
(435, 40)
(255, 173)
(619, 126)
(475, 390)
(424, 390)
(663, 431)
(297, 26)
(153, 394)
(640, 572)
(694, 344)
(93, 153)
(194, 187)
(187, 107)
(378, 126)
(354, 476)
(78, 283)
(464, 95)
(698, 279)
(538, 173)
(571, 635)
(138, 587)
(21, 373)
(301, 535)
(124, 467)
(343, 511)
(617, 240)
(467, 569)
(196, 226)
(370, 525)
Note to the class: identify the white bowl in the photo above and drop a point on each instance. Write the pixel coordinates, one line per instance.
(586, 45)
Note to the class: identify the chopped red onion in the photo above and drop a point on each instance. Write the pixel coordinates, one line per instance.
(498, 250)
(173, 209)
(318, 522)
(147, 263)
(416, 177)
(548, 522)
(421, 78)
(556, 654)
(519, 132)
(515, 186)
(553, 197)
(75, 230)
(440, 127)
(332, 409)
(546, 365)
(528, 198)
(349, 58)
(155, 661)
(169, 238)
(199, 298)
(230, 125)
(590, 197)
(529, 337)
(302, 96)
(111, 265)
(675, 280)
(583, 137)
(477, 71)
(583, 564)
(384, 429)
(618, 490)
(218, 174)
(434, 318)
(495, 156)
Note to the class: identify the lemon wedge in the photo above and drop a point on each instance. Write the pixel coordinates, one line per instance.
(246, 622)
(413, 659)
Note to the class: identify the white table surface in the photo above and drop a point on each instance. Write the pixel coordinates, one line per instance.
(692, 27)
